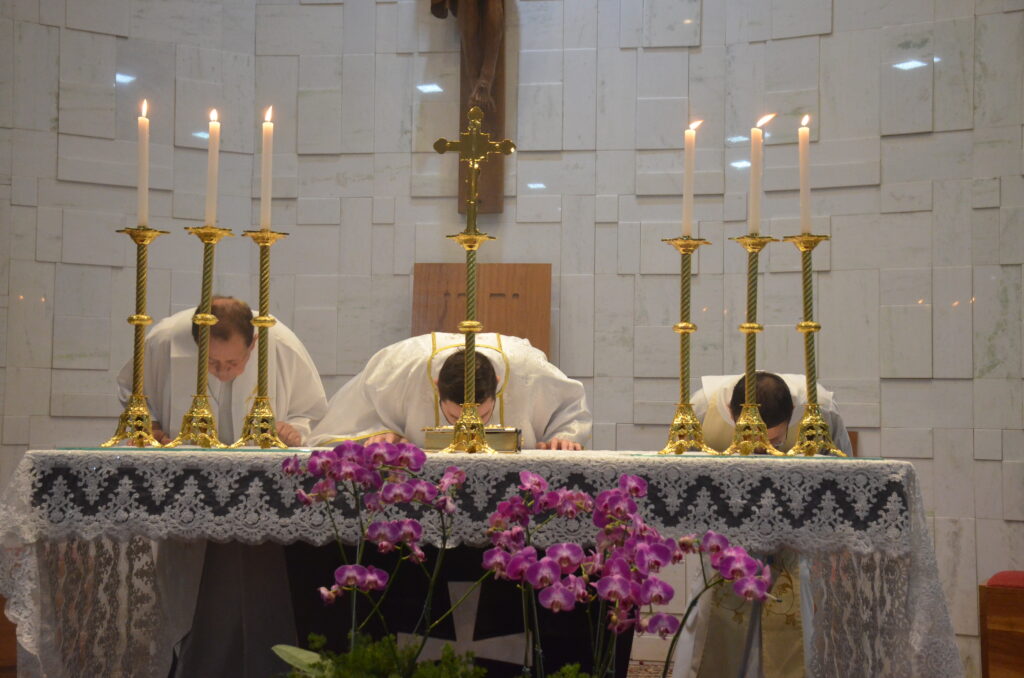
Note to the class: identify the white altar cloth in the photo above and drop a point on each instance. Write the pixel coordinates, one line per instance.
(84, 533)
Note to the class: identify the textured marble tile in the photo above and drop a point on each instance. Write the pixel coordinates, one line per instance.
(49, 228)
(906, 79)
(671, 23)
(748, 22)
(321, 324)
(613, 326)
(954, 472)
(392, 98)
(985, 193)
(615, 172)
(953, 67)
(606, 208)
(88, 238)
(996, 314)
(657, 122)
(180, 21)
(905, 341)
(304, 29)
(905, 286)
(782, 258)
(29, 315)
(541, 24)
(848, 312)
(1013, 445)
(319, 211)
(988, 489)
(357, 104)
(997, 403)
(27, 391)
(81, 343)
(580, 24)
(639, 438)
(24, 191)
(540, 117)
(997, 151)
(791, 18)
(1011, 235)
(577, 234)
(952, 323)
(434, 175)
(539, 208)
(988, 444)
(330, 176)
(616, 98)
(6, 72)
(998, 69)
(15, 430)
(112, 163)
(570, 173)
(951, 9)
(910, 196)
(99, 16)
(36, 76)
(925, 404)
(850, 86)
(576, 325)
(86, 102)
(706, 93)
(955, 554)
(999, 547)
(579, 105)
(82, 291)
(383, 210)
(1013, 490)
(951, 238)
(907, 443)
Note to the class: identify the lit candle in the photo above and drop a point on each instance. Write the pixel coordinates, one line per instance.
(212, 165)
(805, 177)
(143, 182)
(756, 162)
(689, 151)
(266, 171)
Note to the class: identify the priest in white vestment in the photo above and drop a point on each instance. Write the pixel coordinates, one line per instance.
(295, 390)
(397, 394)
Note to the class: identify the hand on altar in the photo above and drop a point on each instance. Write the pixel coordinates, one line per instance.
(288, 435)
(159, 434)
(559, 444)
(388, 437)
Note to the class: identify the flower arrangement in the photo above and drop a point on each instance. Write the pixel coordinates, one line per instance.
(620, 574)
(617, 580)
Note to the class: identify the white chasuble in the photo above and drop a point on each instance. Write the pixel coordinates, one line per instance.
(295, 390)
(396, 392)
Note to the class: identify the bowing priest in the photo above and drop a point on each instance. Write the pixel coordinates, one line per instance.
(295, 390)
(418, 383)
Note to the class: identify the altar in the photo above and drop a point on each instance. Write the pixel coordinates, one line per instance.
(84, 530)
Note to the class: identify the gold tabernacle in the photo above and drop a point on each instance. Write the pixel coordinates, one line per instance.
(473, 146)
(136, 422)
(198, 425)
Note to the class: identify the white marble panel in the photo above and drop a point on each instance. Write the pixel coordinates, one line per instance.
(671, 23)
(356, 38)
(576, 325)
(570, 173)
(27, 391)
(89, 238)
(332, 176)
(1013, 490)
(951, 9)
(988, 445)
(834, 163)
(392, 130)
(656, 351)
(908, 196)
(748, 21)
(997, 403)
(577, 233)
(355, 238)
(658, 122)
(82, 291)
(152, 65)
(357, 104)
(997, 151)
(613, 326)
(628, 246)
(640, 438)
(616, 98)
(538, 208)
(49, 227)
(579, 106)
(29, 315)
(616, 172)
(540, 24)
(114, 163)
(298, 29)
(613, 400)
(24, 191)
(603, 436)
(782, 258)
(606, 208)
(1011, 235)
(906, 286)
(383, 210)
(319, 211)
(15, 430)
(87, 66)
(952, 323)
(850, 86)
(47, 433)
(996, 6)
(791, 18)
(540, 118)
(988, 489)
(791, 65)
(954, 472)
(907, 443)
(82, 393)
(580, 29)
(391, 174)
(706, 92)
(179, 21)
(1011, 192)
(99, 16)
(321, 324)
(955, 554)
(985, 193)
(6, 73)
(36, 76)
(997, 322)
(1000, 546)
(940, 402)
(319, 121)
(657, 300)
(907, 240)
(663, 73)
(81, 343)
(193, 100)
(905, 68)
(953, 66)
(631, 17)
(998, 69)
(848, 311)
(744, 80)
(952, 216)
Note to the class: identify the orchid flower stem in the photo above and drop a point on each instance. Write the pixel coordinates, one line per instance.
(380, 599)
(682, 623)
(460, 601)
(538, 650)
(602, 613)
(526, 626)
(424, 620)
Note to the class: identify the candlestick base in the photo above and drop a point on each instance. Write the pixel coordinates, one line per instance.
(751, 435)
(469, 433)
(754, 243)
(686, 244)
(814, 437)
(260, 427)
(806, 242)
(686, 434)
(135, 425)
(198, 426)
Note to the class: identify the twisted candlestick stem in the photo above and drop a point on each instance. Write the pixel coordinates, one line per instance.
(202, 367)
(469, 393)
(141, 264)
(751, 345)
(261, 386)
(685, 268)
(810, 360)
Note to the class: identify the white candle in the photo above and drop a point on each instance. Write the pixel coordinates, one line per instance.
(805, 177)
(212, 165)
(266, 170)
(756, 162)
(143, 182)
(689, 151)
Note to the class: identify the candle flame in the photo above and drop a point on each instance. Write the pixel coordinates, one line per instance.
(145, 107)
(806, 119)
(765, 120)
(270, 114)
(695, 124)
(213, 115)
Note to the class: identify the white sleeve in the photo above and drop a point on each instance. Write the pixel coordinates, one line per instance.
(699, 400)
(307, 403)
(558, 404)
(840, 436)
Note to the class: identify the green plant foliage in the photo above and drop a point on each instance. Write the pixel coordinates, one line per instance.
(569, 671)
(377, 659)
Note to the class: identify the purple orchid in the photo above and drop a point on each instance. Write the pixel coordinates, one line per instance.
(634, 486)
(496, 560)
(557, 598)
(532, 482)
(291, 466)
(519, 562)
(350, 576)
(654, 591)
(375, 580)
(396, 493)
(543, 573)
(663, 624)
(567, 555)
(453, 478)
(613, 587)
(751, 588)
(714, 542)
(411, 457)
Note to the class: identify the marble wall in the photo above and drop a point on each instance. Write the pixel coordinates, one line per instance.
(917, 169)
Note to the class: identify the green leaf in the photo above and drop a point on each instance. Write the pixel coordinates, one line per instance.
(304, 660)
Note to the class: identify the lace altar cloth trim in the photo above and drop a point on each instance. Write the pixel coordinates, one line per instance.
(66, 511)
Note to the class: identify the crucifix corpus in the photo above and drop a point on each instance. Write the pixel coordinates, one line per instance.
(482, 84)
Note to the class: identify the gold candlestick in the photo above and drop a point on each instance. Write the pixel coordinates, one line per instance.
(198, 426)
(685, 434)
(751, 433)
(260, 426)
(813, 436)
(474, 147)
(136, 422)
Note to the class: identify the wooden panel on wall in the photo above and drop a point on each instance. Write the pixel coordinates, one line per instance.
(512, 299)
